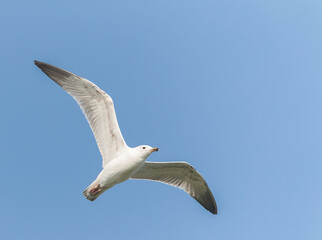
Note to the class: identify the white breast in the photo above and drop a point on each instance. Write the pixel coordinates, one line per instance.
(120, 169)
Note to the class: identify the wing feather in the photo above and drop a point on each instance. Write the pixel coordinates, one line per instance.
(181, 175)
(97, 107)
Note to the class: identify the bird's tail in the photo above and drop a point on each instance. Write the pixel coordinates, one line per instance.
(93, 191)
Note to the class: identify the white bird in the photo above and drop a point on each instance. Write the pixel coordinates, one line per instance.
(121, 162)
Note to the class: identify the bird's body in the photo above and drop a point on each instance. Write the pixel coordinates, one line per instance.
(116, 171)
(121, 162)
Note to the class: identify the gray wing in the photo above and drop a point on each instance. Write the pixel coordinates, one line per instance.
(181, 175)
(97, 107)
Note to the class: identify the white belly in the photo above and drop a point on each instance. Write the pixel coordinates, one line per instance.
(119, 170)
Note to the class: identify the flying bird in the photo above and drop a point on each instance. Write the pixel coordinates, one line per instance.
(121, 162)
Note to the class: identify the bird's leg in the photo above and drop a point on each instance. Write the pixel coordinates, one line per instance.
(95, 190)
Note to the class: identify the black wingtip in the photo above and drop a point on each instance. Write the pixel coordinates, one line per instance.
(45, 67)
(41, 64)
(55, 73)
(208, 202)
(215, 208)
(214, 211)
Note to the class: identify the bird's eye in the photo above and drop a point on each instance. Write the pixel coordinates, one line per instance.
(143, 147)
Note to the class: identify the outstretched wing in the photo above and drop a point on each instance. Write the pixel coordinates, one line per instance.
(181, 175)
(97, 106)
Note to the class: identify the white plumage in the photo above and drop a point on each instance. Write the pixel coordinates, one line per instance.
(121, 162)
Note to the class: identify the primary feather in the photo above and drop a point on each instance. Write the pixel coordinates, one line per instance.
(97, 107)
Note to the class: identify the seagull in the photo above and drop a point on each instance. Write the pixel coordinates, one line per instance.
(121, 162)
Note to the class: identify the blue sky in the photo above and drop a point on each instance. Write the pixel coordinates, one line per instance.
(232, 87)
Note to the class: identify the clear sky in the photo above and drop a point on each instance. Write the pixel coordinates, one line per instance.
(232, 87)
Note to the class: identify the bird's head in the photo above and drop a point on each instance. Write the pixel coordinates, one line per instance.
(145, 150)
